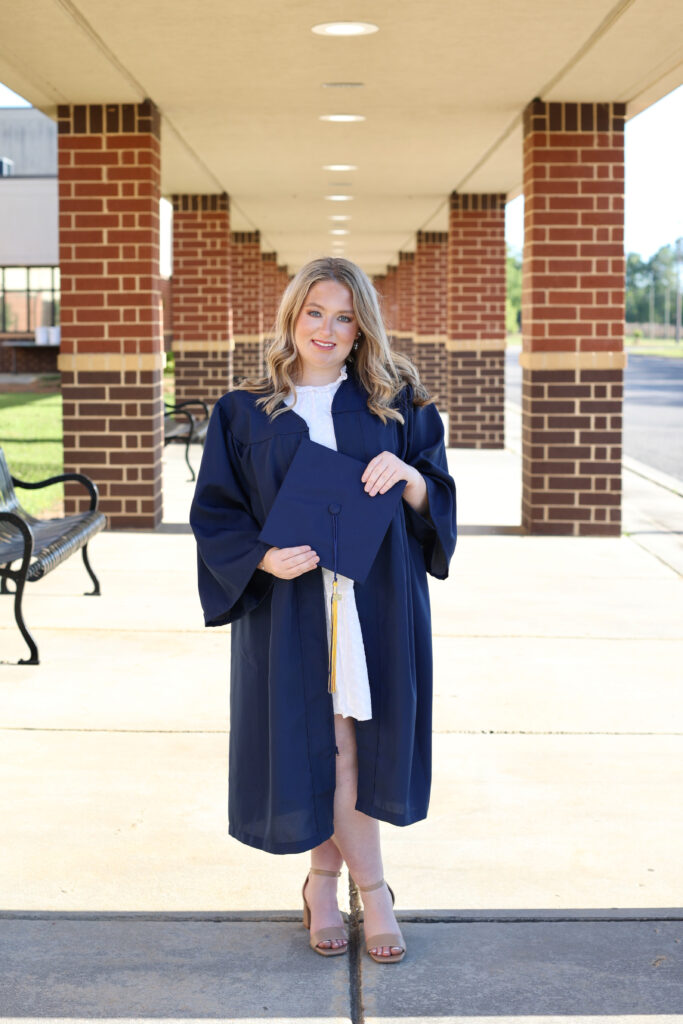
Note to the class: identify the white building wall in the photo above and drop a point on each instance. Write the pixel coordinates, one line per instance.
(29, 222)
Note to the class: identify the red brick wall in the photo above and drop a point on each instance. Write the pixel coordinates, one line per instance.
(271, 292)
(405, 303)
(247, 304)
(390, 303)
(283, 278)
(431, 290)
(573, 317)
(202, 310)
(476, 320)
(111, 348)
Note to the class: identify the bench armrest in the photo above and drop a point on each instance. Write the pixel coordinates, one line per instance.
(15, 520)
(80, 478)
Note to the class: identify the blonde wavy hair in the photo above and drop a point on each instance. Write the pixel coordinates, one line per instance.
(381, 372)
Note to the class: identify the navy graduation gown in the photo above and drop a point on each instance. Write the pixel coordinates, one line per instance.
(282, 744)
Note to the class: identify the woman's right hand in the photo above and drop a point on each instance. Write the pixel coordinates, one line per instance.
(287, 563)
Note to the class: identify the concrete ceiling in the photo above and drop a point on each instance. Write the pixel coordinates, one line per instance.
(240, 84)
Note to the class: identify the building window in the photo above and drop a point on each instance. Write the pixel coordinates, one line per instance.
(29, 298)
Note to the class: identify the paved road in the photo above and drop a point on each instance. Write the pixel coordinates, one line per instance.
(653, 408)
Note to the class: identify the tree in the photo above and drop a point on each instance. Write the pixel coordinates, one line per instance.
(641, 276)
(513, 303)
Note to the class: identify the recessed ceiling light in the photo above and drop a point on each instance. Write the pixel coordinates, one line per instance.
(342, 118)
(339, 231)
(339, 216)
(345, 28)
(343, 85)
(339, 199)
(340, 167)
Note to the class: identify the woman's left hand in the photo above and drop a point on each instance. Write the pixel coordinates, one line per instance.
(385, 470)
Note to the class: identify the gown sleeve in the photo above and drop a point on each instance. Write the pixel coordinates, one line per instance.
(426, 451)
(228, 548)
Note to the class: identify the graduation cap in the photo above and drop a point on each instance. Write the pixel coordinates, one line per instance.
(322, 502)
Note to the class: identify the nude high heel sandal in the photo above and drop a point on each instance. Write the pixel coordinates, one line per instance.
(325, 934)
(391, 939)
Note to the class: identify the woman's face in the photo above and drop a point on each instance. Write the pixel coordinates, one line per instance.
(324, 331)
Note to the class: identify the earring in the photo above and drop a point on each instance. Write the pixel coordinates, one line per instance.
(355, 345)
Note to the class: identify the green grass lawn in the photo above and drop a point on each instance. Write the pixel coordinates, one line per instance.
(638, 346)
(31, 438)
(654, 347)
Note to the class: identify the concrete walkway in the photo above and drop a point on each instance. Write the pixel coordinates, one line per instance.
(546, 881)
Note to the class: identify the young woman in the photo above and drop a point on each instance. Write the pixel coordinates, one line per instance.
(309, 769)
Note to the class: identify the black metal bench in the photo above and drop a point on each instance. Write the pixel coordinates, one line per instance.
(182, 425)
(40, 545)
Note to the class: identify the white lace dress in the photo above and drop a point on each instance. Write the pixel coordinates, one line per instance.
(352, 697)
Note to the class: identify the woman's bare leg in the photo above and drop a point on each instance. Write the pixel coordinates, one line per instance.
(357, 836)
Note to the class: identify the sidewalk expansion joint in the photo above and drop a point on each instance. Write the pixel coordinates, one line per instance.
(655, 554)
(153, 732)
(355, 927)
(551, 732)
(437, 732)
(588, 637)
(356, 1008)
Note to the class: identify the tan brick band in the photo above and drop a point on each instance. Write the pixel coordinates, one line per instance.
(573, 360)
(109, 362)
(227, 345)
(475, 344)
(248, 339)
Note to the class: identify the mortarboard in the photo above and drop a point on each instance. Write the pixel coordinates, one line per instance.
(322, 502)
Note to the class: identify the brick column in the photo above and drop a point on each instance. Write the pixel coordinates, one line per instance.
(390, 304)
(283, 278)
(405, 303)
(431, 280)
(475, 349)
(247, 304)
(573, 318)
(271, 294)
(379, 283)
(202, 313)
(111, 347)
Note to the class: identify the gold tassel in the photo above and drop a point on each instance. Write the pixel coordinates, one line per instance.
(332, 675)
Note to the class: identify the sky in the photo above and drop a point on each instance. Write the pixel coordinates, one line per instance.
(654, 177)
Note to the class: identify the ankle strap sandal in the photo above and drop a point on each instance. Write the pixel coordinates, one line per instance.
(325, 934)
(392, 939)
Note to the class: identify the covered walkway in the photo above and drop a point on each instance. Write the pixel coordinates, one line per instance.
(396, 140)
